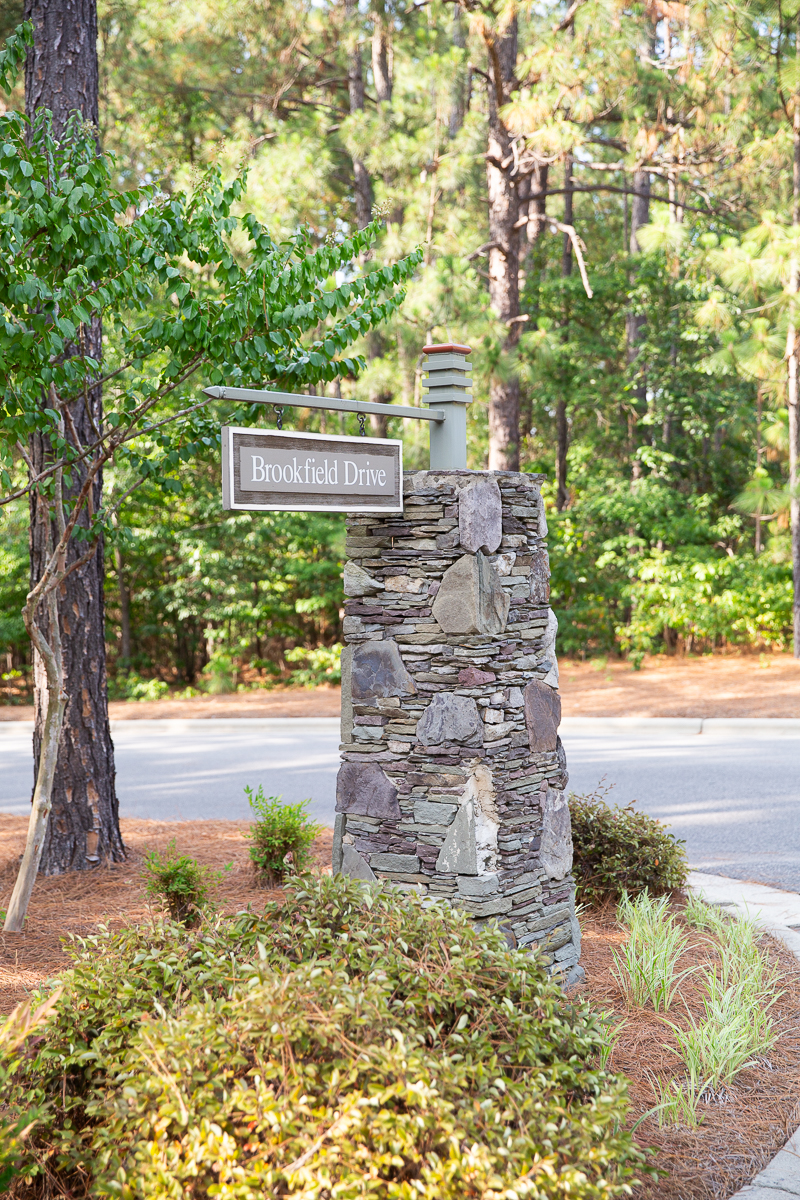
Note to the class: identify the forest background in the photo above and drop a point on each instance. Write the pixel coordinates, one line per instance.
(635, 308)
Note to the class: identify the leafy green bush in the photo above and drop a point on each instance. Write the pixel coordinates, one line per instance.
(14, 1032)
(180, 882)
(127, 685)
(620, 850)
(323, 665)
(279, 830)
(341, 1044)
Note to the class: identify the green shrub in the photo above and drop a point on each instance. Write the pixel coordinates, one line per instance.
(280, 830)
(127, 685)
(14, 1033)
(219, 675)
(344, 1044)
(620, 850)
(323, 665)
(179, 882)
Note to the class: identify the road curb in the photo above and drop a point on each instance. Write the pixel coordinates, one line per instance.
(780, 1179)
(652, 726)
(753, 727)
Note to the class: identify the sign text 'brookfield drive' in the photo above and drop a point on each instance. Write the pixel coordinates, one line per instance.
(282, 469)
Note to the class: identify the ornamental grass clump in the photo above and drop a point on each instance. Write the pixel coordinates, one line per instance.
(346, 1043)
(281, 836)
(645, 965)
(736, 1027)
(620, 850)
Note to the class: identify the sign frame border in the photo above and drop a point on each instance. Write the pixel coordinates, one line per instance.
(230, 505)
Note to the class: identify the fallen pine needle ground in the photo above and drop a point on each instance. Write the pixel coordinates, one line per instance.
(745, 1124)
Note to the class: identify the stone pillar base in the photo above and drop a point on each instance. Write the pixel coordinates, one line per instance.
(453, 775)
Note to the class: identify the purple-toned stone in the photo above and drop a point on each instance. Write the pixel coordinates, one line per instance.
(364, 790)
(378, 670)
(542, 716)
(473, 677)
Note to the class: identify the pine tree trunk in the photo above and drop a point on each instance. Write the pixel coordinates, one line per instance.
(355, 87)
(504, 209)
(634, 323)
(381, 53)
(61, 74)
(562, 424)
(793, 397)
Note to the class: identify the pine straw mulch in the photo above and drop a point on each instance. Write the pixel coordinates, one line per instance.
(739, 1134)
(76, 904)
(741, 1129)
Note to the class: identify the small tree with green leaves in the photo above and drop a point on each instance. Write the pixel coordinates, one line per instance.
(186, 291)
(280, 831)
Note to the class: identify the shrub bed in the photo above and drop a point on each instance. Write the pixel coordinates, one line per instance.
(620, 850)
(341, 1044)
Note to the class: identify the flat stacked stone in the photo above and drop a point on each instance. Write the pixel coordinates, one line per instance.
(453, 774)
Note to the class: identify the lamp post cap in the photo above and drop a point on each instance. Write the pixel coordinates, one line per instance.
(447, 348)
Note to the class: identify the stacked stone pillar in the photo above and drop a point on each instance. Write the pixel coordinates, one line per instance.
(453, 774)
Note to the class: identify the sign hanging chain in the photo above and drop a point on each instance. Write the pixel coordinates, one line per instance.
(278, 410)
(362, 431)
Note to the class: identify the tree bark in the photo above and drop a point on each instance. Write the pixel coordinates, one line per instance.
(61, 74)
(381, 53)
(504, 252)
(48, 659)
(793, 356)
(355, 88)
(61, 67)
(561, 424)
(634, 322)
(537, 205)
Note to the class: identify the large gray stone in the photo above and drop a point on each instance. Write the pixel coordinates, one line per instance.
(346, 711)
(407, 864)
(478, 886)
(480, 516)
(549, 649)
(471, 598)
(357, 582)
(563, 779)
(426, 813)
(339, 822)
(555, 851)
(542, 716)
(459, 855)
(378, 670)
(450, 718)
(354, 865)
(540, 575)
(493, 907)
(364, 790)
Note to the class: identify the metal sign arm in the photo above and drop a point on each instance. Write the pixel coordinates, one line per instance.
(293, 400)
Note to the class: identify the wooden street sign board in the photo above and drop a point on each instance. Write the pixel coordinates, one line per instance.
(285, 471)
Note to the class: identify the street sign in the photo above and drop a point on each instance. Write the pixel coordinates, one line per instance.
(285, 471)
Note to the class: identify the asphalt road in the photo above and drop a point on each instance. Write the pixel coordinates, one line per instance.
(732, 791)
